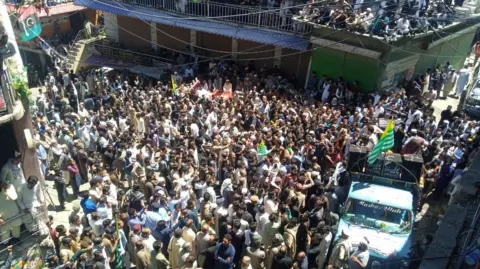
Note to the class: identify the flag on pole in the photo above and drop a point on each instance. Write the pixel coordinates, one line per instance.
(119, 257)
(29, 24)
(119, 251)
(385, 143)
(174, 86)
(262, 149)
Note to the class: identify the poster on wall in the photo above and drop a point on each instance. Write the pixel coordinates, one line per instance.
(29, 24)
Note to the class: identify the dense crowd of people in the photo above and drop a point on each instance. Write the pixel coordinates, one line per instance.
(382, 18)
(233, 169)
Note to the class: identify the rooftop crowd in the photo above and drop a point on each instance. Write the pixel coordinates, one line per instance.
(236, 169)
(383, 18)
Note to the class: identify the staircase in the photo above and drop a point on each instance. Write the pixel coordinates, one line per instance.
(75, 55)
(78, 45)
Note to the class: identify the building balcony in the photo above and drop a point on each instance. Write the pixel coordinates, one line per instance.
(11, 107)
(273, 17)
(388, 21)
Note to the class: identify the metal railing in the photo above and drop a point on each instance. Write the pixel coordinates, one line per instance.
(257, 16)
(7, 89)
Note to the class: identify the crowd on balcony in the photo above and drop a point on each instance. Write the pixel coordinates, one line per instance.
(381, 18)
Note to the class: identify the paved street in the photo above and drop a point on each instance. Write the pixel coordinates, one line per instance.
(428, 224)
(62, 216)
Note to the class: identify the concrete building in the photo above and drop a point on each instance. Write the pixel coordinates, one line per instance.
(239, 32)
(15, 122)
(61, 22)
(281, 38)
(376, 63)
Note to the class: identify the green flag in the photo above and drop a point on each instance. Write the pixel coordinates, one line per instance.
(29, 24)
(118, 257)
(385, 143)
(262, 149)
(174, 86)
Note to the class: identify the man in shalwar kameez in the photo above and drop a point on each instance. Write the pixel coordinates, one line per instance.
(12, 172)
(10, 220)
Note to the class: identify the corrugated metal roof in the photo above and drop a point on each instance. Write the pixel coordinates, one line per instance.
(152, 14)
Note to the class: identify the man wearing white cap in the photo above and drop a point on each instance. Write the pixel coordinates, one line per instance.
(366, 19)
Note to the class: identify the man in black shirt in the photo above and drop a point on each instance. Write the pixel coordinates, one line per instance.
(281, 260)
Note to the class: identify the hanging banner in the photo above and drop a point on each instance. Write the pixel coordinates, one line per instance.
(31, 259)
(29, 24)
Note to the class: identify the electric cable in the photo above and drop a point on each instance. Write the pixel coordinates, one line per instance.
(218, 51)
(242, 27)
(230, 53)
(202, 48)
(417, 53)
(264, 58)
(123, 8)
(204, 18)
(441, 38)
(135, 52)
(238, 15)
(66, 16)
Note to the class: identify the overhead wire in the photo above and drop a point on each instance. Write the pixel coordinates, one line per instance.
(441, 38)
(206, 49)
(266, 58)
(248, 14)
(218, 51)
(240, 26)
(227, 52)
(230, 53)
(417, 53)
(204, 18)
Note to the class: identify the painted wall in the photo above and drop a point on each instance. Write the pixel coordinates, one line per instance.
(335, 63)
(168, 42)
(453, 51)
(295, 64)
(264, 51)
(214, 42)
(48, 24)
(134, 33)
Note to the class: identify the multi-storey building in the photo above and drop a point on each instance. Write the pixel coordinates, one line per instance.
(16, 132)
(213, 29)
(381, 63)
(60, 21)
(280, 37)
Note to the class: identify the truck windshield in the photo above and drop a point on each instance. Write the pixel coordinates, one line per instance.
(376, 216)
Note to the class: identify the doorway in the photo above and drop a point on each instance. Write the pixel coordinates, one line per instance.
(76, 22)
(8, 143)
